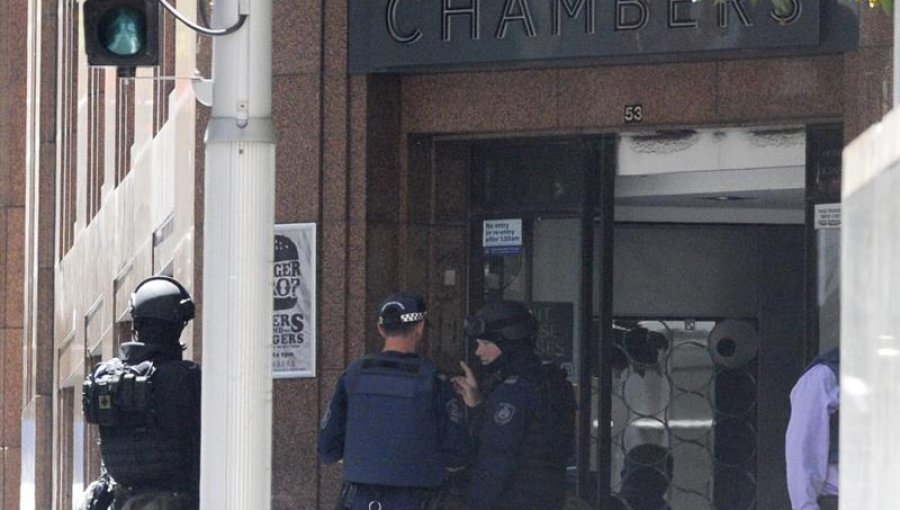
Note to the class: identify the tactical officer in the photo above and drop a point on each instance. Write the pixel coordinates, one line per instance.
(811, 444)
(394, 420)
(147, 404)
(524, 418)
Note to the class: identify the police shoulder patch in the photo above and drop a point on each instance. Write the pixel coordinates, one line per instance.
(453, 411)
(504, 414)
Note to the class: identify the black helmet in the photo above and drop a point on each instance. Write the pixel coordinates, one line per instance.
(502, 322)
(161, 298)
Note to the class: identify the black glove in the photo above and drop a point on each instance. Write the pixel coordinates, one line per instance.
(98, 495)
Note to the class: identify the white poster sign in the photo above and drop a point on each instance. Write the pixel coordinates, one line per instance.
(502, 237)
(294, 293)
(828, 216)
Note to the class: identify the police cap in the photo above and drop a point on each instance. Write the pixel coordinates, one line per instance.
(402, 308)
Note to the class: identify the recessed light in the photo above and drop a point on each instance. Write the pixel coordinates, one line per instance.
(725, 198)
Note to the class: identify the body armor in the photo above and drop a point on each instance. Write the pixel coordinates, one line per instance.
(140, 449)
(392, 424)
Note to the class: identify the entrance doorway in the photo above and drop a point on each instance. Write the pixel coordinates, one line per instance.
(682, 326)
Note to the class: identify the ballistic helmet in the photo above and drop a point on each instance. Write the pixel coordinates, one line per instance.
(504, 323)
(161, 298)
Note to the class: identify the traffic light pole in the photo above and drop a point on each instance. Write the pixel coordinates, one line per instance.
(236, 446)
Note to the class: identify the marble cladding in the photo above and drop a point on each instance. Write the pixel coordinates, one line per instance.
(870, 319)
(867, 88)
(480, 101)
(4, 258)
(329, 476)
(296, 25)
(875, 27)
(11, 459)
(332, 294)
(295, 107)
(293, 446)
(47, 209)
(10, 386)
(776, 89)
(13, 116)
(762, 90)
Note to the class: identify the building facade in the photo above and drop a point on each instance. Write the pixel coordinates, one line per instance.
(654, 201)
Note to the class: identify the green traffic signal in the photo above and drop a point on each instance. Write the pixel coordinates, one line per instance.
(123, 31)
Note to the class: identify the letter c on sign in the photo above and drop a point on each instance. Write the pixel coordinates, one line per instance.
(391, 18)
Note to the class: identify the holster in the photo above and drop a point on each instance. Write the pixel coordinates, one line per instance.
(348, 494)
(432, 501)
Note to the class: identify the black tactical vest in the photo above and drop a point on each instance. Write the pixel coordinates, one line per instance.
(142, 443)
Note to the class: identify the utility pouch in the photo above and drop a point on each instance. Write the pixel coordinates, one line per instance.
(116, 388)
(97, 402)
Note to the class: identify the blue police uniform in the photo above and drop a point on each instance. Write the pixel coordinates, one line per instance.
(398, 425)
(521, 447)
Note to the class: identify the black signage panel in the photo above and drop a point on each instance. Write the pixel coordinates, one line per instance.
(420, 34)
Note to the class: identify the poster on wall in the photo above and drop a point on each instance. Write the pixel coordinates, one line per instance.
(294, 293)
(556, 332)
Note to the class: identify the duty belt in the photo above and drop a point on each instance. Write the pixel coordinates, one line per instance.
(429, 498)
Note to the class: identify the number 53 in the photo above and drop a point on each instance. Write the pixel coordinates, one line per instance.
(634, 113)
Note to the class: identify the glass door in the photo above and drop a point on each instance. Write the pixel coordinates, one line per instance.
(532, 209)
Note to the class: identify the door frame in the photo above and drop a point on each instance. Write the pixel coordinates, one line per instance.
(596, 202)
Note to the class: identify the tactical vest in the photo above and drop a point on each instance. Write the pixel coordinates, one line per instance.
(135, 450)
(392, 424)
(832, 360)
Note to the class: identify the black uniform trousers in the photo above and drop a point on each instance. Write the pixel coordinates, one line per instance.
(828, 503)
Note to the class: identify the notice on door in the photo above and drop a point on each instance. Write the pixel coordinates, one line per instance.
(502, 237)
(828, 216)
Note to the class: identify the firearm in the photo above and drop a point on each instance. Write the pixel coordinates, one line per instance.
(99, 495)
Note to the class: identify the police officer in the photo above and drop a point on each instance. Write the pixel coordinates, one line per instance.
(394, 420)
(811, 443)
(524, 433)
(147, 403)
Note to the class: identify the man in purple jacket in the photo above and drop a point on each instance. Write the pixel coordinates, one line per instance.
(811, 444)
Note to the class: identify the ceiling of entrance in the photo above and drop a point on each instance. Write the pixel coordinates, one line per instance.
(712, 176)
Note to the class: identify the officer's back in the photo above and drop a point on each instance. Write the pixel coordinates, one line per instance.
(147, 404)
(394, 421)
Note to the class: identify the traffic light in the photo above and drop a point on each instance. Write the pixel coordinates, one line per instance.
(121, 33)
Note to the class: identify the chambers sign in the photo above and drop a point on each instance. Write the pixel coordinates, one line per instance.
(388, 35)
